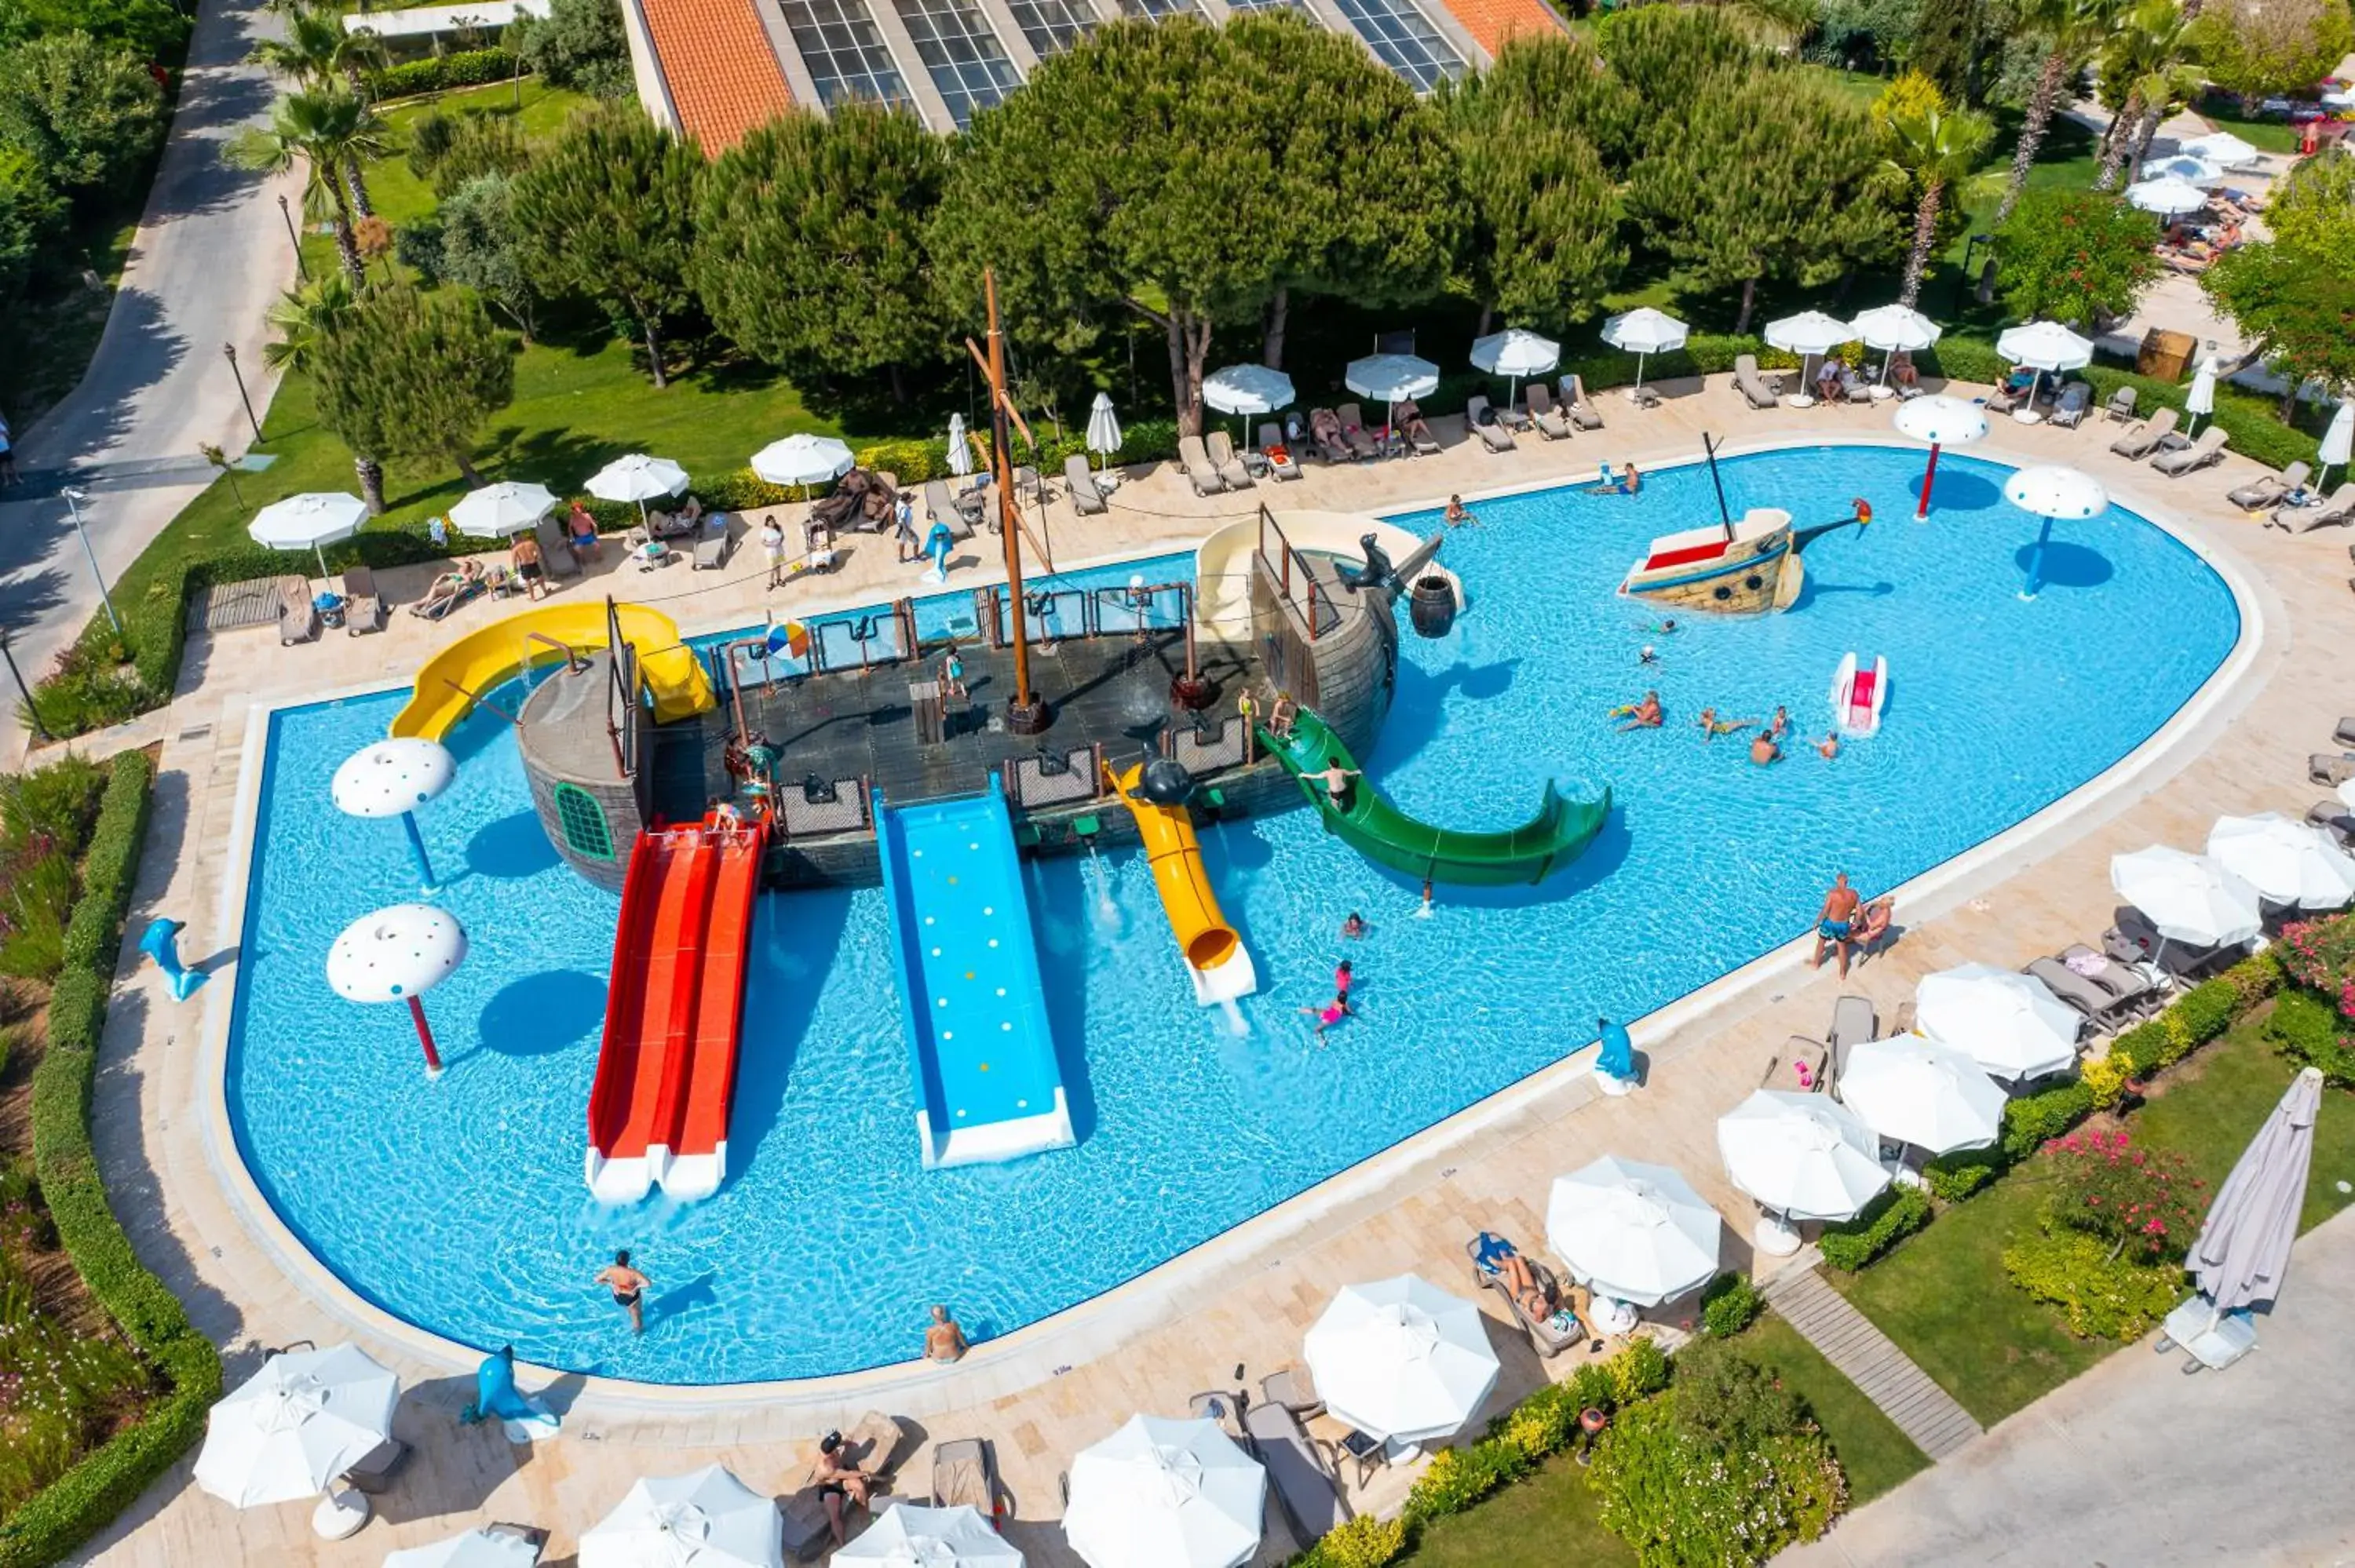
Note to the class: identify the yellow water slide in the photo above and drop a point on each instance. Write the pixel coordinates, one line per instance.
(448, 683)
(1219, 965)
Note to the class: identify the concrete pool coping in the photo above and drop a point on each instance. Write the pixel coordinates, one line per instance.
(1034, 1354)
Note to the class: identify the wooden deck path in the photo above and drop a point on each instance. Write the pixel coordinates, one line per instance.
(1922, 1410)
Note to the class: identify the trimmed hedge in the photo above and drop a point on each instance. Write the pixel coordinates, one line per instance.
(1888, 1219)
(467, 67)
(70, 1510)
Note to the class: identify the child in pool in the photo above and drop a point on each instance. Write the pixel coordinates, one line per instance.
(1331, 1013)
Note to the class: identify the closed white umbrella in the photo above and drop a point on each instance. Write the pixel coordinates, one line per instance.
(2187, 167)
(2009, 1023)
(2242, 1252)
(911, 1536)
(804, 459)
(1633, 1231)
(1915, 1091)
(1247, 389)
(1941, 421)
(2188, 898)
(1515, 353)
(1160, 1493)
(2202, 399)
(2051, 491)
(498, 510)
(1806, 334)
(705, 1519)
(1803, 1156)
(309, 522)
(474, 1549)
(2167, 195)
(960, 448)
(638, 478)
(2223, 149)
(1104, 428)
(1644, 331)
(2338, 440)
(296, 1425)
(1402, 1360)
(2295, 863)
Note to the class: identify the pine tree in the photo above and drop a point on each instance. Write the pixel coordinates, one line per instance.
(404, 374)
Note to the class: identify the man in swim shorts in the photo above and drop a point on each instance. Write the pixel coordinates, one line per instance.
(1763, 749)
(629, 1288)
(1335, 780)
(1645, 714)
(839, 1484)
(1835, 924)
(944, 1341)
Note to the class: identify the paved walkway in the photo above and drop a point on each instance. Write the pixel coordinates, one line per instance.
(2136, 1464)
(1871, 1359)
(1246, 1297)
(210, 255)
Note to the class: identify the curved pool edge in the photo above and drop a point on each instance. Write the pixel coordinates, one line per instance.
(1038, 1352)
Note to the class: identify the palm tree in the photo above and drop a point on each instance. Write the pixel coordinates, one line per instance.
(1933, 149)
(2074, 29)
(317, 52)
(324, 130)
(2148, 52)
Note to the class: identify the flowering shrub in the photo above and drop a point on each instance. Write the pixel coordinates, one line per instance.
(2102, 1294)
(2320, 956)
(2108, 1078)
(2140, 1201)
(2307, 1030)
(1682, 1501)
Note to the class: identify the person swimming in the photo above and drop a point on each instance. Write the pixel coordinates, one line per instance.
(1645, 714)
(1780, 722)
(1355, 926)
(1342, 978)
(1457, 515)
(1647, 654)
(1712, 726)
(1331, 1013)
(1763, 749)
(1829, 747)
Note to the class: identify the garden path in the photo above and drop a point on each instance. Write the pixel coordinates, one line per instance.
(1871, 1359)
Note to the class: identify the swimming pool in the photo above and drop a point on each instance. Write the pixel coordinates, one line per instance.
(459, 1205)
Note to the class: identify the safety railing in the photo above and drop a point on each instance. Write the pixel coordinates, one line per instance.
(1294, 582)
(1064, 614)
(622, 684)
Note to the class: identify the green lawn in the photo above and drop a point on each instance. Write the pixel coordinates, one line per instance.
(2264, 135)
(1944, 1298)
(1873, 1452)
(1545, 1522)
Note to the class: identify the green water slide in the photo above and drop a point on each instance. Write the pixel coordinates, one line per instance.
(1369, 825)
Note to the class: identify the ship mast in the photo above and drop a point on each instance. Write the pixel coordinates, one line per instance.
(1026, 711)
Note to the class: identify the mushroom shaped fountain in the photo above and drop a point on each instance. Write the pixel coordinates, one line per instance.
(398, 954)
(392, 779)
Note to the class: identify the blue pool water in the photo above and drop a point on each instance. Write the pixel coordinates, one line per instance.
(460, 1204)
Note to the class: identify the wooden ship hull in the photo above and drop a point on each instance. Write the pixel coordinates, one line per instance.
(1751, 569)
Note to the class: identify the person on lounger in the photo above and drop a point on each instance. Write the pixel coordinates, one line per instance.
(1901, 374)
(1872, 922)
(453, 585)
(839, 1484)
(1503, 1259)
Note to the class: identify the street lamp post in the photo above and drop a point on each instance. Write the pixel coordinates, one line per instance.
(22, 690)
(295, 240)
(74, 498)
(228, 352)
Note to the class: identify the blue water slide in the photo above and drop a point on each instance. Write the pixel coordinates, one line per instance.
(987, 1086)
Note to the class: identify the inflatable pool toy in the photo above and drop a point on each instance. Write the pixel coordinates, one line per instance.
(1215, 960)
(497, 1398)
(1858, 696)
(937, 545)
(161, 942)
(1615, 1064)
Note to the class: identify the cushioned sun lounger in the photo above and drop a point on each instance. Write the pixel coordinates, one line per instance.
(2070, 411)
(1582, 411)
(1306, 1482)
(2125, 982)
(1550, 421)
(1281, 464)
(1750, 383)
(2096, 1004)
(1325, 427)
(1199, 470)
(1353, 430)
(1546, 1338)
(1080, 486)
(1481, 420)
(2142, 437)
(2208, 449)
(1221, 450)
(2335, 511)
(2334, 817)
(2270, 489)
(363, 605)
(2328, 767)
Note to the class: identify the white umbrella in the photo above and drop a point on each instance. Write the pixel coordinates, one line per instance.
(2188, 898)
(1806, 334)
(910, 1535)
(474, 1549)
(2202, 399)
(498, 510)
(1103, 428)
(705, 1519)
(2187, 167)
(398, 954)
(804, 459)
(1160, 1493)
(1895, 328)
(1400, 1359)
(1391, 376)
(1247, 389)
(1643, 332)
(2009, 1023)
(2223, 149)
(2338, 440)
(2042, 346)
(2167, 196)
(1637, 1232)
(309, 522)
(1913, 1090)
(1803, 1156)
(2051, 491)
(1515, 353)
(961, 450)
(2289, 863)
(638, 478)
(296, 1425)
(1941, 421)
(392, 779)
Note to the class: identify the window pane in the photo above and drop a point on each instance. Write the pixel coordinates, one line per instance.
(1051, 25)
(1154, 10)
(954, 40)
(845, 54)
(1267, 6)
(1403, 40)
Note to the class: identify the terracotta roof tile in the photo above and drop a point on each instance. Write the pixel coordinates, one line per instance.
(1493, 21)
(722, 73)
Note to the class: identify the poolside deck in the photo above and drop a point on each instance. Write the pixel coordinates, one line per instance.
(1245, 1299)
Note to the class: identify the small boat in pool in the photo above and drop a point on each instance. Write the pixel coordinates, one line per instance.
(1858, 695)
(1728, 568)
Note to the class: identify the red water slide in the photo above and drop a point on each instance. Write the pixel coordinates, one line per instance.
(666, 1071)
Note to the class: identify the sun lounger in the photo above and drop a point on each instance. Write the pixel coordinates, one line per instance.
(1080, 486)
(1750, 385)
(376, 1468)
(1547, 1340)
(1414, 430)
(1281, 464)
(1304, 1475)
(530, 1535)
(1583, 413)
(2333, 817)
(2337, 510)
(1324, 428)
(1293, 1389)
(298, 617)
(2329, 768)
(1353, 430)
(2345, 734)
(2270, 490)
(2125, 982)
(2133, 940)
(1854, 1022)
(1550, 421)
(1201, 471)
(2142, 437)
(2208, 449)
(363, 605)
(964, 1474)
(1221, 449)
(2097, 1005)
(2006, 397)
(2070, 411)
(2121, 406)
(1481, 420)
(1799, 1056)
(1220, 1406)
(874, 1446)
(714, 543)
(953, 512)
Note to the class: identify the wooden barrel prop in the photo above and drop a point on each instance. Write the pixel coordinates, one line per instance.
(1431, 606)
